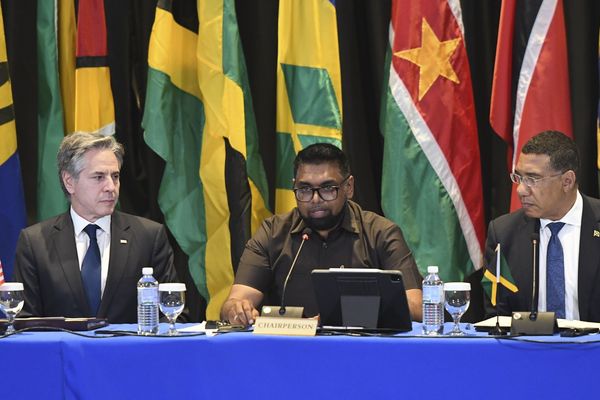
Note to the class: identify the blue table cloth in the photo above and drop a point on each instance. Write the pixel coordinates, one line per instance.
(60, 365)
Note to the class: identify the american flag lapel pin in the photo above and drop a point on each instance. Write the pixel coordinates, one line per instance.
(596, 233)
(123, 241)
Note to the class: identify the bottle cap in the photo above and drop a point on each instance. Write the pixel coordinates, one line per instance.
(432, 269)
(147, 271)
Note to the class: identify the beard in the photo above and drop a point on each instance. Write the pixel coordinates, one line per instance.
(325, 223)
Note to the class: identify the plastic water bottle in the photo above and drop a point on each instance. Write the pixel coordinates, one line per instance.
(147, 297)
(433, 303)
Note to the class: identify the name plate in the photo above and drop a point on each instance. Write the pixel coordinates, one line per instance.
(285, 326)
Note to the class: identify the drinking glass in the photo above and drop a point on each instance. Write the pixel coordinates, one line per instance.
(172, 301)
(11, 302)
(458, 297)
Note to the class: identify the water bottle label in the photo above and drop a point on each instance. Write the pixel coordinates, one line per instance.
(433, 294)
(148, 296)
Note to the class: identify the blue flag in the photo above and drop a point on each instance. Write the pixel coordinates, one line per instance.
(12, 203)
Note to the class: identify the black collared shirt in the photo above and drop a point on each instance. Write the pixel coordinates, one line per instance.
(363, 240)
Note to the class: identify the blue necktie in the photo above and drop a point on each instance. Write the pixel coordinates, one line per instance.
(555, 272)
(90, 270)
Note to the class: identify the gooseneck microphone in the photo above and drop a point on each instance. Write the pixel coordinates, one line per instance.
(535, 241)
(305, 236)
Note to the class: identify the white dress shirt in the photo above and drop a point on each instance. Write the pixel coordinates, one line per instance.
(82, 241)
(569, 238)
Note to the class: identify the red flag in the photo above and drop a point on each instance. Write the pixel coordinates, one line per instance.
(430, 138)
(530, 91)
(94, 106)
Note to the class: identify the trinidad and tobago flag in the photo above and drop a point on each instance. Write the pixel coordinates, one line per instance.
(530, 91)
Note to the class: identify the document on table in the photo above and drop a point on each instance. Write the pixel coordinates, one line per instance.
(505, 322)
(199, 328)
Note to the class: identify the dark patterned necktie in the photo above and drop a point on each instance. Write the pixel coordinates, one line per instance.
(555, 272)
(90, 270)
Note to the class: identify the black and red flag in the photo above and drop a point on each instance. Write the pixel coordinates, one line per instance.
(530, 91)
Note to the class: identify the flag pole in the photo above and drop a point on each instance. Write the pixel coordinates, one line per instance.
(497, 331)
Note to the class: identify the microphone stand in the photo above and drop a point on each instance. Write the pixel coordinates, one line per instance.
(305, 237)
(535, 237)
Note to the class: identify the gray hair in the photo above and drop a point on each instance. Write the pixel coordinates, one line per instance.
(73, 148)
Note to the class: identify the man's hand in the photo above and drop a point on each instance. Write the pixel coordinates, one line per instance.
(239, 311)
(240, 306)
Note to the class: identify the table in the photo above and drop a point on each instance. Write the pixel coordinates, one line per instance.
(58, 365)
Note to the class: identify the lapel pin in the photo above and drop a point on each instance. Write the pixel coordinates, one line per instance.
(124, 241)
(596, 233)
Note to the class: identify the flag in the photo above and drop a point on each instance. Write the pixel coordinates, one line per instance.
(74, 92)
(598, 118)
(501, 276)
(94, 106)
(1, 274)
(309, 88)
(51, 117)
(530, 90)
(199, 119)
(431, 178)
(12, 201)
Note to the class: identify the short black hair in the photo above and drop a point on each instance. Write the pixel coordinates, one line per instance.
(320, 153)
(561, 149)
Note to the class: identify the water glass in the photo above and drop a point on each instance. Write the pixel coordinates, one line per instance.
(458, 297)
(11, 302)
(171, 303)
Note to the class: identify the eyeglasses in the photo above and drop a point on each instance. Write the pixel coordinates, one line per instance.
(326, 193)
(529, 181)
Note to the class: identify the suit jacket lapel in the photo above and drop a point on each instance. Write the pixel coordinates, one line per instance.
(66, 250)
(589, 254)
(120, 240)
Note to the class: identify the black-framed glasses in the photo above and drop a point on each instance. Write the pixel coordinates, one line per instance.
(326, 193)
(529, 181)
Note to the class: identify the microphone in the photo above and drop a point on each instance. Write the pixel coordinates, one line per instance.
(537, 323)
(535, 240)
(305, 236)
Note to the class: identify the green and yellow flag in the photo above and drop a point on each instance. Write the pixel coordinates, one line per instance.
(501, 276)
(309, 88)
(74, 91)
(56, 87)
(199, 119)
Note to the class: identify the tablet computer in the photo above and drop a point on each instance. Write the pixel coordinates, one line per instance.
(361, 298)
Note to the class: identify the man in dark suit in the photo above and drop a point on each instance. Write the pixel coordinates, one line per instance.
(87, 261)
(564, 222)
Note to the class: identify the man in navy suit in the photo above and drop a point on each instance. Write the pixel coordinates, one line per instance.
(546, 175)
(52, 260)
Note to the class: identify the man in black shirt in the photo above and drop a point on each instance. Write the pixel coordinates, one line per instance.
(341, 234)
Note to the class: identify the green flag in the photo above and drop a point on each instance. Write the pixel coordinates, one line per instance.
(51, 129)
(431, 178)
(309, 88)
(199, 119)
(497, 273)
